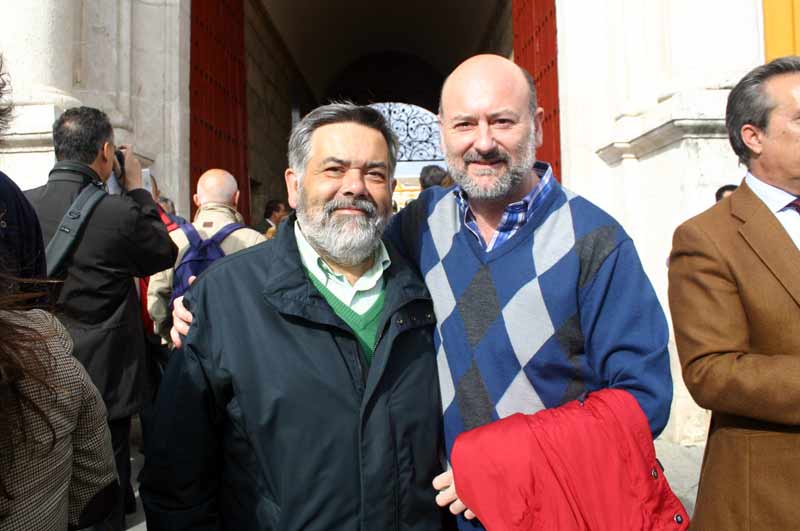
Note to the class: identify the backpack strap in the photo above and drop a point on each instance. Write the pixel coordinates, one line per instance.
(166, 220)
(66, 236)
(225, 231)
(194, 238)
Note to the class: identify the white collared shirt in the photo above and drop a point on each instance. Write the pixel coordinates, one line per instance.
(777, 201)
(360, 296)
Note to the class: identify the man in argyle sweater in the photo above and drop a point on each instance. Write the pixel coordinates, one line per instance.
(539, 295)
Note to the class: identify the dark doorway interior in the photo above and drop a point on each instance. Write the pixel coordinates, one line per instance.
(388, 76)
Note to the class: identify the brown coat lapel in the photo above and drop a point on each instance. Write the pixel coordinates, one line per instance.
(768, 239)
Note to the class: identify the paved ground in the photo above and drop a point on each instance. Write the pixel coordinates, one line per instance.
(681, 466)
(136, 521)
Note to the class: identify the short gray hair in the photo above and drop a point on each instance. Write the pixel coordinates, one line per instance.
(749, 104)
(335, 113)
(532, 103)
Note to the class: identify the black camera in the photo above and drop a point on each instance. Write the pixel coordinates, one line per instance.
(121, 159)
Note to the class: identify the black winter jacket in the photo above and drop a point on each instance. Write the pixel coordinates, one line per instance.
(267, 419)
(98, 304)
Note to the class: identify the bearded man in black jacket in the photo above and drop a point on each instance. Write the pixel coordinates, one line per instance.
(123, 238)
(306, 396)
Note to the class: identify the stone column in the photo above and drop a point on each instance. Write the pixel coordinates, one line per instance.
(39, 44)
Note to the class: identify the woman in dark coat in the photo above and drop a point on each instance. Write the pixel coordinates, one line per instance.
(20, 239)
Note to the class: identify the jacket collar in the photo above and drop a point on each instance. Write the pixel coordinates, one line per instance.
(218, 211)
(289, 290)
(73, 171)
(765, 235)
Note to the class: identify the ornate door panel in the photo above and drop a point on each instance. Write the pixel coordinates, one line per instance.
(218, 97)
(535, 50)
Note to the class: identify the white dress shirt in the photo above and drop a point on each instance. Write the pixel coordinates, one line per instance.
(362, 295)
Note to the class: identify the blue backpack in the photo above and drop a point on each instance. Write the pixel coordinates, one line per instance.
(200, 254)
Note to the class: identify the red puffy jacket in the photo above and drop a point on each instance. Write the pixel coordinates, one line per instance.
(585, 465)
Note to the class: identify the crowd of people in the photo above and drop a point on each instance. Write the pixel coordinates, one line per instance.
(491, 356)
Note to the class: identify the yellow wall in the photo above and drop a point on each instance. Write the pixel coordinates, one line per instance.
(781, 28)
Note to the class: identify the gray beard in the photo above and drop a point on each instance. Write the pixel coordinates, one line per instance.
(346, 240)
(500, 188)
(504, 184)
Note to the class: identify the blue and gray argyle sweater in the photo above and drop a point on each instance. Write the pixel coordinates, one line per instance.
(561, 308)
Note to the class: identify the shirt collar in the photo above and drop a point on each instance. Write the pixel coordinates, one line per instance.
(314, 263)
(775, 198)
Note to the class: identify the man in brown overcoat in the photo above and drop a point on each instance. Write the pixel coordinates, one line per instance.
(734, 293)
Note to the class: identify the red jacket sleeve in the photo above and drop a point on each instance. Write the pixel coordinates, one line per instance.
(584, 465)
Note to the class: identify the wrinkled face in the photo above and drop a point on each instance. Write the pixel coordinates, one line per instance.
(488, 134)
(778, 146)
(343, 199)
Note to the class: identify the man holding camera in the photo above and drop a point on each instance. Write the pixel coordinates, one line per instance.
(123, 238)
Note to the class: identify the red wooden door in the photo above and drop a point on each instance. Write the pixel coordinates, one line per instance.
(218, 97)
(535, 50)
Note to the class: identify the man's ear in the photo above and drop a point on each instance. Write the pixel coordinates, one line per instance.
(236, 199)
(107, 156)
(196, 200)
(108, 151)
(538, 116)
(752, 137)
(440, 122)
(292, 184)
(105, 162)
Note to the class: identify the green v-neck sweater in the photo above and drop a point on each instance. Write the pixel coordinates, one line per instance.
(364, 326)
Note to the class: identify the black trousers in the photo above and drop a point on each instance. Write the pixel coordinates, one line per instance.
(120, 440)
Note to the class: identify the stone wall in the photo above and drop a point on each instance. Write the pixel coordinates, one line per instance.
(129, 58)
(277, 94)
(642, 90)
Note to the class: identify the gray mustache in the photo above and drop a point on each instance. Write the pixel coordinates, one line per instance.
(361, 204)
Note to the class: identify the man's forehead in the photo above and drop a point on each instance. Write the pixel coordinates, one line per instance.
(349, 142)
(783, 87)
(483, 93)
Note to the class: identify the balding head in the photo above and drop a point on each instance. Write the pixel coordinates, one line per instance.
(480, 71)
(217, 186)
(491, 128)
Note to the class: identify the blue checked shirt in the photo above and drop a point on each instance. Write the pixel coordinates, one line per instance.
(515, 215)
